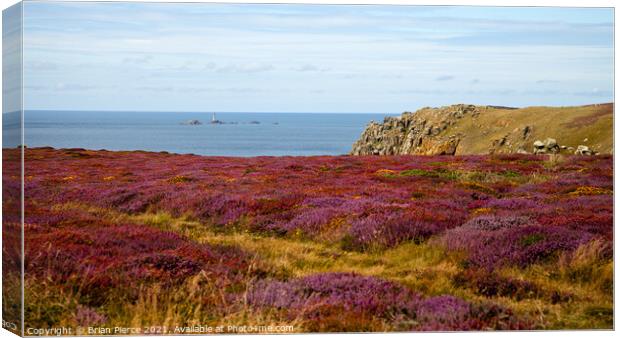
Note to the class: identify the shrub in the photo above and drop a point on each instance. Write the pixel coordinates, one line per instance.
(523, 246)
(312, 297)
(311, 221)
(86, 316)
(98, 260)
(492, 241)
(387, 229)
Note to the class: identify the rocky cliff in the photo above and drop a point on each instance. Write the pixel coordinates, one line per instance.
(469, 129)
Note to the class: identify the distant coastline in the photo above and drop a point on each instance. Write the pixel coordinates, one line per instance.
(242, 134)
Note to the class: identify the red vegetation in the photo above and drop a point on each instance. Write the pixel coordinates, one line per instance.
(499, 211)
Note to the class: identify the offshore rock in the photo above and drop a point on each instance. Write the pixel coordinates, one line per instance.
(192, 123)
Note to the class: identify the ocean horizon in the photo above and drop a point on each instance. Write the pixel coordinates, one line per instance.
(241, 134)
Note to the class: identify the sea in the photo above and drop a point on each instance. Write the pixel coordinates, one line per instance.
(240, 134)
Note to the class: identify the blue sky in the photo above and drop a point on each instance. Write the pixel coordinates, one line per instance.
(311, 58)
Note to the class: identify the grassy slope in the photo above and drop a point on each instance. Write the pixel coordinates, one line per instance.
(568, 125)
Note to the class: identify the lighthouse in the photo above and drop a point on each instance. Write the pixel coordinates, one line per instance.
(214, 120)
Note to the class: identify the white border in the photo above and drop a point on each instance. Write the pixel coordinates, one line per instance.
(494, 3)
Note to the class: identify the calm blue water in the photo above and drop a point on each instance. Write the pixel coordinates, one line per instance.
(277, 134)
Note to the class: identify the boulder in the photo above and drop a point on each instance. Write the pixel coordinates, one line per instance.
(549, 146)
(539, 147)
(583, 150)
(552, 145)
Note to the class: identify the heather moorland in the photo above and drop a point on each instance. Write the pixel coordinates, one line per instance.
(325, 243)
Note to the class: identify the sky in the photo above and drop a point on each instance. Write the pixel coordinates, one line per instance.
(311, 58)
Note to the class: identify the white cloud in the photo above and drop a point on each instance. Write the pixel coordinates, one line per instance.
(310, 68)
(142, 59)
(40, 66)
(245, 68)
(444, 78)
